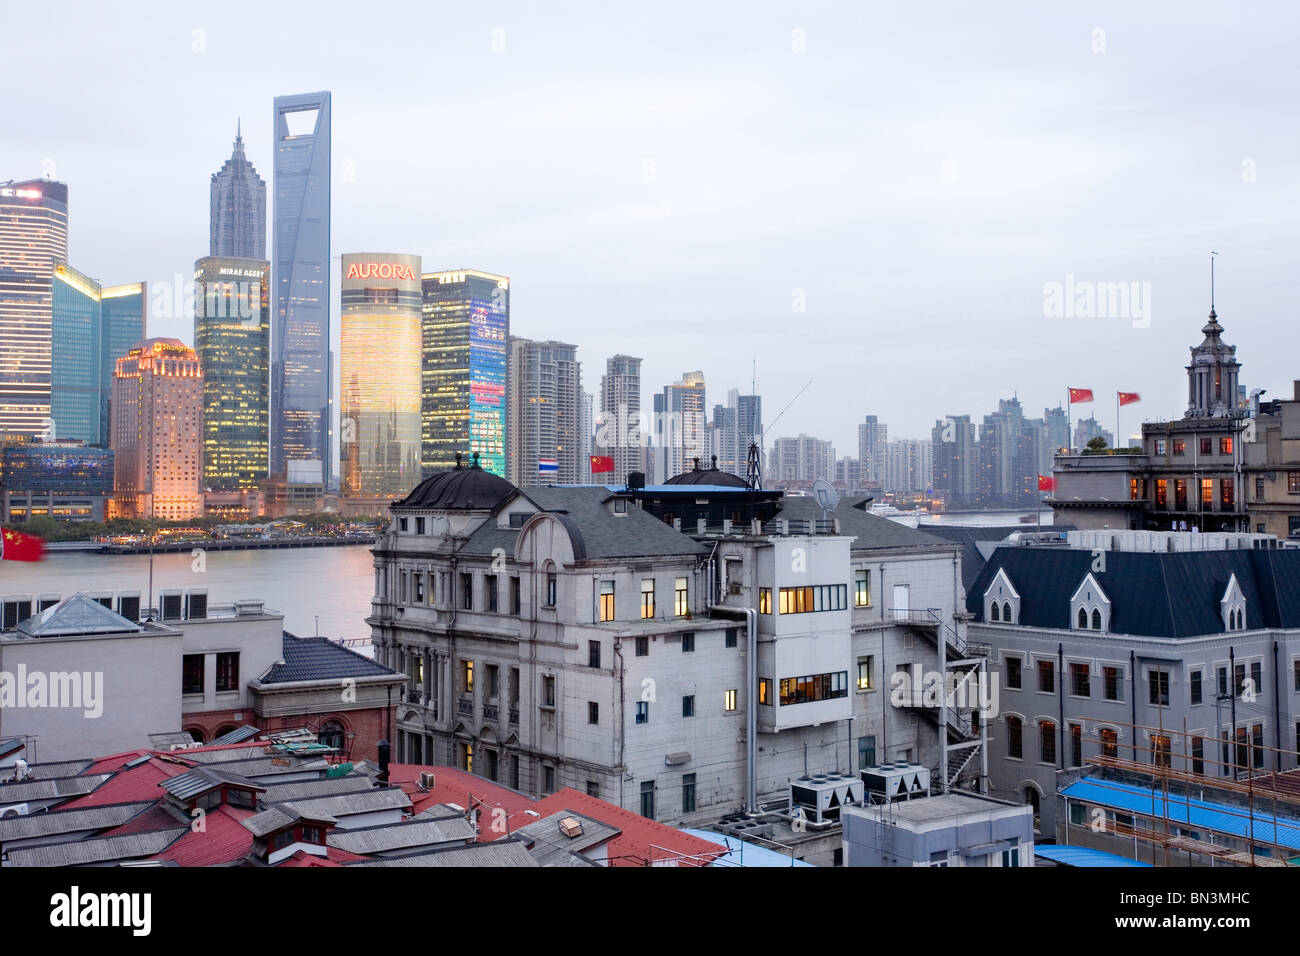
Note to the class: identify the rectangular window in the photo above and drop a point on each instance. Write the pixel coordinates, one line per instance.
(418, 578)
(467, 677)
(866, 668)
(515, 598)
(764, 600)
(1180, 447)
(1047, 676)
(1162, 492)
(681, 606)
(1257, 677)
(642, 712)
(1223, 681)
(1207, 445)
(866, 752)
(1198, 756)
(1259, 489)
(1239, 679)
(1109, 742)
(1180, 494)
(607, 600)
(548, 690)
(552, 587)
(803, 690)
(688, 643)
(1047, 741)
(1162, 446)
(862, 588)
(688, 705)
(647, 598)
(1243, 749)
(1293, 482)
(1257, 744)
(548, 779)
(593, 789)
(1295, 668)
(765, 691)
(1076, 745)
(491, 583)
(1111, 678)
(493, 681)
(228, 671)
(1225, 446)
(648, 799)
(467, 591)
(1160, 751)
(1194, 682)
(192, 674)
(805, 600)
(729, 701)
(688, 793)
(733, 636)
(643, 647)
(593, 653)
(1013, 673)
(1158, 688)
(1207, 492)
(1080, 684)
(1015, 740)
(593, 712)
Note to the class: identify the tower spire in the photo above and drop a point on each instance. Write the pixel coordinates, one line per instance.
(1212, 255)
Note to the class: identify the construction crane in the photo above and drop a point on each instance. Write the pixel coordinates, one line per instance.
(753, 469)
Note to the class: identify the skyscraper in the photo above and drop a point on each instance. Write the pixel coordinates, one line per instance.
(465, 333)
(157, 437)
(801, 459)
(91, 327)
(232, 338)
(873, 450)
(544, 405)
(679, 425)
(379, 372)
(954, 455)
(238, 208)
(33, 234)
(911, 465)
(618, 427)
(301, 387)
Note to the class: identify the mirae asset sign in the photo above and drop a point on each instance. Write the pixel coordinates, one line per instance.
(380, 270)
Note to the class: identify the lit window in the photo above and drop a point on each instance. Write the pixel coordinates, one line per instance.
(607, 600)
(729, 701)
(865, 666)
(680, 604)
(647, 598)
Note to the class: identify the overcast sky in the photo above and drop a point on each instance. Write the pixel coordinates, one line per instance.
(673, 181)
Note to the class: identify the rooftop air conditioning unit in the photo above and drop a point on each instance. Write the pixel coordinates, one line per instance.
(172, 605)
(14, 810)
(571, 827)
(196, 603)
(426, 780)
(821, 796)
(898, 781)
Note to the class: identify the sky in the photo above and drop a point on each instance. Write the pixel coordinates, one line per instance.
(875, 197)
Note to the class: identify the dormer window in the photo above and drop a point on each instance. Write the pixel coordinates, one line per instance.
(620, 506)
(1232, 606)
(1001, 600)
(1090, 608)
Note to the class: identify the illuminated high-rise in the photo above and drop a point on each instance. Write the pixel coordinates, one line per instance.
(238, 208)
(379, 372)
(91, 327)
(33, 234)
(232, 338)
(466, 326)
(544, 410)
(157, 434)
(301, 387)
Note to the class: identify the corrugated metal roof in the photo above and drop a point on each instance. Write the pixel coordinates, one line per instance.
(550, 847)
(508, 852)
(281, 816)
(238, 735)
(350, 804)
(45, 771)
(1083, 856)
(70, 821)
(200, 780)
(97, 850)
(306, 789)
(51, 788)
(1194, 814)
(421, 832)
(743, 853)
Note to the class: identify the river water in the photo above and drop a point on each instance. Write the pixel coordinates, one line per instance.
(332, 583)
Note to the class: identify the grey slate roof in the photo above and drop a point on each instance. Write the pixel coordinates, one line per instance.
(51, 788)
(306, 789)
(596, 532)
(128, 846)
(78, 614)
(458, 489)
(200, 780)
(419, 832)
(871, 531)
(1152, 594)
(70, 821)
(350, 804)
(319, 658)
(44, 771)
(550, 847)
(506, 852)
(265, 769)
(977, 542)
(281, 816)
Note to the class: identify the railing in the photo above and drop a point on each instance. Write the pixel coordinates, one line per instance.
(514, 717)
(491, 712)
(465, 707)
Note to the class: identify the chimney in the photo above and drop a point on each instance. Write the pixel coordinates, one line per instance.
(385, 752)
(700, 525)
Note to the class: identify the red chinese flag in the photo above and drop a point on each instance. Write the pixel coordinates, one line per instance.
(1128, 398)
(1046, 483)
(1080, 394)
(601, 464)
(16, 546)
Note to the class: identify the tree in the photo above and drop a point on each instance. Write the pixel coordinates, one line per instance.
(1095, 446)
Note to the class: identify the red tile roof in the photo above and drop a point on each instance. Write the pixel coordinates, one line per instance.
(451, 785)
(643, 842)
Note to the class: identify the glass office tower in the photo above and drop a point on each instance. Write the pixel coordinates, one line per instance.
(232, 338)
(466, 328)
(33, 234)
(300, 352)
(379, 371)
(237, 208)
(91, 327)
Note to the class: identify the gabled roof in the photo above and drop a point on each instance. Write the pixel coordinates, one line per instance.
(319, 658)
(869, 531)
(1001, 577)
(222, 840)
(1087, 588)
(422, 831)
(350, 804)
(1152, 594)
(284, 815)
(132, 846)
(453, 785)
(78, 614)
(200, 780)
(502, 853)
(548, 844)
(70, 821)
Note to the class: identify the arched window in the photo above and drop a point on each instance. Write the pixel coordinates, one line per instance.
(197, 734)
(222, 731)
(1096, 619)
(1006, 611)
(997, 612)
(1083, 618)
(1241, 619)
(1031, 798)
(1015, 738)
(331, 734)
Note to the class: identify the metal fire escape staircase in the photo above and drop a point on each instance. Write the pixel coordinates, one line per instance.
(963, 761)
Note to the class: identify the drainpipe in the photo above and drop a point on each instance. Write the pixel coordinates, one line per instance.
(1060, 697)
(1277, 713)
(751, 699)
(619, 727)
(1232, 677)
(1133, 693)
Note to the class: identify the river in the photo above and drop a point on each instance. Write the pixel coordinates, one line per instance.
(334, 583)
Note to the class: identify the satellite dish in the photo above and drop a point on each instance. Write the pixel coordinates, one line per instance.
(825, 494)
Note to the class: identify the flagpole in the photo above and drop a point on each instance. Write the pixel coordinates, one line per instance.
(1069, 431)
(1117, 418)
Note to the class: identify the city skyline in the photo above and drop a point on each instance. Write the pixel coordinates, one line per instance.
(1079, 184)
